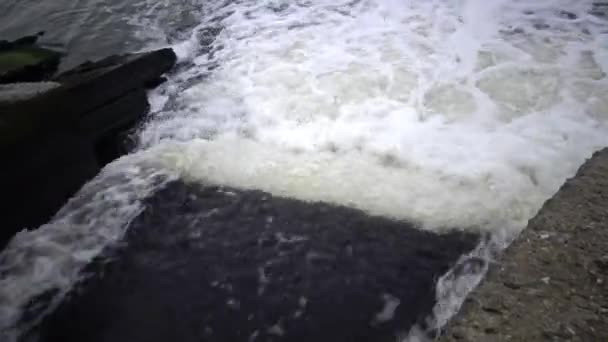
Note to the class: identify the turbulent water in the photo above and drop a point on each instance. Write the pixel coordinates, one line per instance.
(465, 114)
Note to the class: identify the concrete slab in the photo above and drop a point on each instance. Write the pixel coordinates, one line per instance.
(552, 283)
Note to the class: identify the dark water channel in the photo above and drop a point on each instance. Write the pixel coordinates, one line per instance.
(214, 264)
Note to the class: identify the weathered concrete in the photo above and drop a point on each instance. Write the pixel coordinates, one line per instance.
(219, 264)
(552, 283)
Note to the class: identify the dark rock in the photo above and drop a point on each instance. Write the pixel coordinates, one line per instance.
(155, 82)
(491, 310)
(490, 331)
(110, 125)
(55, 141)
(22, 61)
(218, 264)
(24, 41)
(83, 91)
(37, 184)
(511, 285)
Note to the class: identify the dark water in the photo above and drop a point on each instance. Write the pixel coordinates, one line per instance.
(93, 29)
(214, 264)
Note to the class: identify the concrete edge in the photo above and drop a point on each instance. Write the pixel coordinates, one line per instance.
(551, 284)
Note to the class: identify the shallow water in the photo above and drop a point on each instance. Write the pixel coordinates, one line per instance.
(442, 113)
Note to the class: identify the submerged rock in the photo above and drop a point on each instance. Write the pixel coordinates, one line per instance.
(23, 61)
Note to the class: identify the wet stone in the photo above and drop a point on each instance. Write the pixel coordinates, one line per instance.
(201, 264)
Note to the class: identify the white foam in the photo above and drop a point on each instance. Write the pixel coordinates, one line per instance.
(429, 111)
(357, 179)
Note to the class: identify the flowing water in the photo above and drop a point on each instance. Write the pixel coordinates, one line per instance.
(463, 113)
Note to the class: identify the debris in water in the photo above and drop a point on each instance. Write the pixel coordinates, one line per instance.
(388, 311)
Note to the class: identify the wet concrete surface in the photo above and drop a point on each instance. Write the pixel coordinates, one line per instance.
(217, 264)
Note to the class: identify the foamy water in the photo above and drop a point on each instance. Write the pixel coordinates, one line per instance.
(446, 113)
(466, 114)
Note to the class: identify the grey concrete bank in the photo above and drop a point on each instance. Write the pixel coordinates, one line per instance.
(552, 283)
